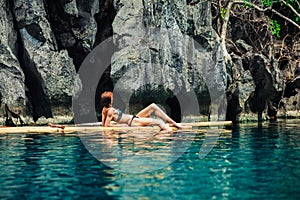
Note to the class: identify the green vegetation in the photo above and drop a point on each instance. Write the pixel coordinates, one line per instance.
(223, 13)
(263, 20)
(278, 11)
(275, 28)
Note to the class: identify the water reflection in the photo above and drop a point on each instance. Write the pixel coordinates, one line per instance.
(136, 151)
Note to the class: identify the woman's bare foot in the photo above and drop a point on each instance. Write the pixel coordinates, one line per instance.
(174, 124)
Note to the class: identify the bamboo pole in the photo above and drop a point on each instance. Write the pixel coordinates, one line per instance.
(78, 128)
(203, 124)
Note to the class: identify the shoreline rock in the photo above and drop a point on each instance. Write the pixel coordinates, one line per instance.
(68, 119)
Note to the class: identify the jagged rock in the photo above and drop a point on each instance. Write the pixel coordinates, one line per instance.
(292, 87)
(74, 26)
(50, 73)
(258, 66)
(290, 106)
(239, 91)
(290, 103)
(71, 8)
(158, 59)
(43, 44)
(12, 87)
(256, 82)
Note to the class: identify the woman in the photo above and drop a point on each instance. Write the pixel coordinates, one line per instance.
(110, 113)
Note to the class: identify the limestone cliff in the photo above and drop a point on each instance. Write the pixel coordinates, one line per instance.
(166, 52)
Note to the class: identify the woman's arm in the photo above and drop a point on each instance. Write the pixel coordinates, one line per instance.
(108, 118)
(104, 112)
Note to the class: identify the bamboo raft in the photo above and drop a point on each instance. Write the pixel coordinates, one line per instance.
(95, 127)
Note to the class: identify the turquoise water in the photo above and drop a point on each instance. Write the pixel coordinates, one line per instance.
(251, 163)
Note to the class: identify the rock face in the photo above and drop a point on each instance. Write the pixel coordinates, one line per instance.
(12, 87)
(49, 71)
(43, 43)
(255, 85)
(168, 53)
(258, 89)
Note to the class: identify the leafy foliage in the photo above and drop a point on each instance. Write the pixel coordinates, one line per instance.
(223, 13)
(275, 28)
(257, 22)
(287, 9)
(267, 3)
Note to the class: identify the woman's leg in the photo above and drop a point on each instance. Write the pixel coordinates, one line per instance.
(153, 108)
(149, 122)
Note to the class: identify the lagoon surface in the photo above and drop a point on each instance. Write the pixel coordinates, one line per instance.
(251, 162)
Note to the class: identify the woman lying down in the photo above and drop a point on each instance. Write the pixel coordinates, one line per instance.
(110, 113)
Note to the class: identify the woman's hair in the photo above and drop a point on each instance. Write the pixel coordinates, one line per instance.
(106, 99)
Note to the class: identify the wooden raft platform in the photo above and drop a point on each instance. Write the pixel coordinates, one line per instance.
(97, 128)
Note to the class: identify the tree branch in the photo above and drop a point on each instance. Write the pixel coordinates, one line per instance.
(286, 18)
(224, 32)
(265, 9)
(292, 8)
